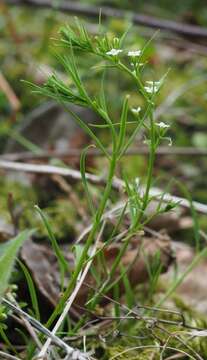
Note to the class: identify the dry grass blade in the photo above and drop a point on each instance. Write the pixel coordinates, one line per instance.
(8, 356)
(38, 326)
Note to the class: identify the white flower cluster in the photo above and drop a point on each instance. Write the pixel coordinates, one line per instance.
(162, 125)
(134, 53)
(152, 86)
(114, 52)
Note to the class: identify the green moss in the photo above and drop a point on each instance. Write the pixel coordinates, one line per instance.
(60, 211)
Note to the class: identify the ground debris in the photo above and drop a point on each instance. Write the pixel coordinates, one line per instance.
(43, 265)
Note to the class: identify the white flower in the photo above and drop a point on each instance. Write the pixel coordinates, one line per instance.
(134, 53)
(137, 181)
(152, 87)
(147, 142)
(137, 110)
(162, 125)
(169, 141)
(114, 52)
(155, 83)
(137, 64)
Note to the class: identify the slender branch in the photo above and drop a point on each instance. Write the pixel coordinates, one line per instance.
(49, 170)
(10, 94)
(139, 150)
(76, 175)
(73, 7)
(8, 356)
(38, 326)
(23, 320)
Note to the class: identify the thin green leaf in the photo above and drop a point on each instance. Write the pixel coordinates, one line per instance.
(103, 126)
(130, 298)
(122, 131)
(84, 180)
(32, 290)
(88, 131)
(171, 289)
(8, 253)
(196, 228)
(63, 264)
(78, 252)
(123, 37)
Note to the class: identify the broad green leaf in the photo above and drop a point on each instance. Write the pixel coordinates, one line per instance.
(8, 252)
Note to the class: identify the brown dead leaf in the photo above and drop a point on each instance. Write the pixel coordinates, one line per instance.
(193, 289)
(42, 263)
(172, 221)
(142, 250)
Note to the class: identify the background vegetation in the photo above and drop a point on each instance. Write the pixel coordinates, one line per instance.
(29, 129)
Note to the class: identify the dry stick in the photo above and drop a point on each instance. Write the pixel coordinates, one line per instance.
(138, 150)
(72, 297)
(156, 347)
(8, 356)
(191, 47)
(28, 326)
(9, 92)
(140, 316)
(37, 325)
(107, 12)
(76, 175)
(180, 340)
(49, 170)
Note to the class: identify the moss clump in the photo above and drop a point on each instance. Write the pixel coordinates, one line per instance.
(24, 197)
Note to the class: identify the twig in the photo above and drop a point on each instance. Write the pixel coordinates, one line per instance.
(107, 12)
(139, 150)
(24, 321)
(174, 335)
(37, 325)
(156, 347)
(8, 91)
(8, 356)
(49, 170)
(140, 316)
(117, 183)
(72, 297)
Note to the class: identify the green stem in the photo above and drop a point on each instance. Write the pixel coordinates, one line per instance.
(150, 170)
(106, 286)
(89, 242)
(149, 176)
(137, 80)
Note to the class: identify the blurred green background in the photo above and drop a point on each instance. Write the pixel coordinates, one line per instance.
(27, 53)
